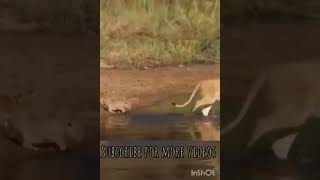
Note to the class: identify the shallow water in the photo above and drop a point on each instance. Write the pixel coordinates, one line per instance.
(159, 127)
(140, 129)
(158, 168)
(159, 130)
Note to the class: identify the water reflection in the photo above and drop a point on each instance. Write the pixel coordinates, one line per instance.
(158, 168)
(167, 129)
(159, 127)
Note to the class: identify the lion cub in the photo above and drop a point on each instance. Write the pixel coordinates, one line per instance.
(204, 94)
(113, 106)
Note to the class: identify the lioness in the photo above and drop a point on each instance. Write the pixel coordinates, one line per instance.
(205, 94)
(293, 91)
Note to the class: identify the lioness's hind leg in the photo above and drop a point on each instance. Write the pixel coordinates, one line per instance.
(205, 101)
(276, 121)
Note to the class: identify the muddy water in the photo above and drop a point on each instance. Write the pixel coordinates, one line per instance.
(152, 130)
(159, 127)
(158, 168)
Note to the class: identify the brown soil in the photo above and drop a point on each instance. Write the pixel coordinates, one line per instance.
(144, 87)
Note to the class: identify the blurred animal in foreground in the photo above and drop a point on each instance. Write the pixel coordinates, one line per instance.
(39, 130)
(293, 94)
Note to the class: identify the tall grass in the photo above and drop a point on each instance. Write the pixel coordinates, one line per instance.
(159, 32)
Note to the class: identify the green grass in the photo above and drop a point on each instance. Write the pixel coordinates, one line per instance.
(159, 32)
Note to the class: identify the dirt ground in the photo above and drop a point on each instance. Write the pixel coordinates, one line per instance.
(145, 87)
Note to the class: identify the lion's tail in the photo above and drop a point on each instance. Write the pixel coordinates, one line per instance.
(245, 107)
(191, 97)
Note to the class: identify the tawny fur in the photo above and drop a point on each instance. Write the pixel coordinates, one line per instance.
(294, 91)
(204, 95)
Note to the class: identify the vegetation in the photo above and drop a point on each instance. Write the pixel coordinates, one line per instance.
(152, 33)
